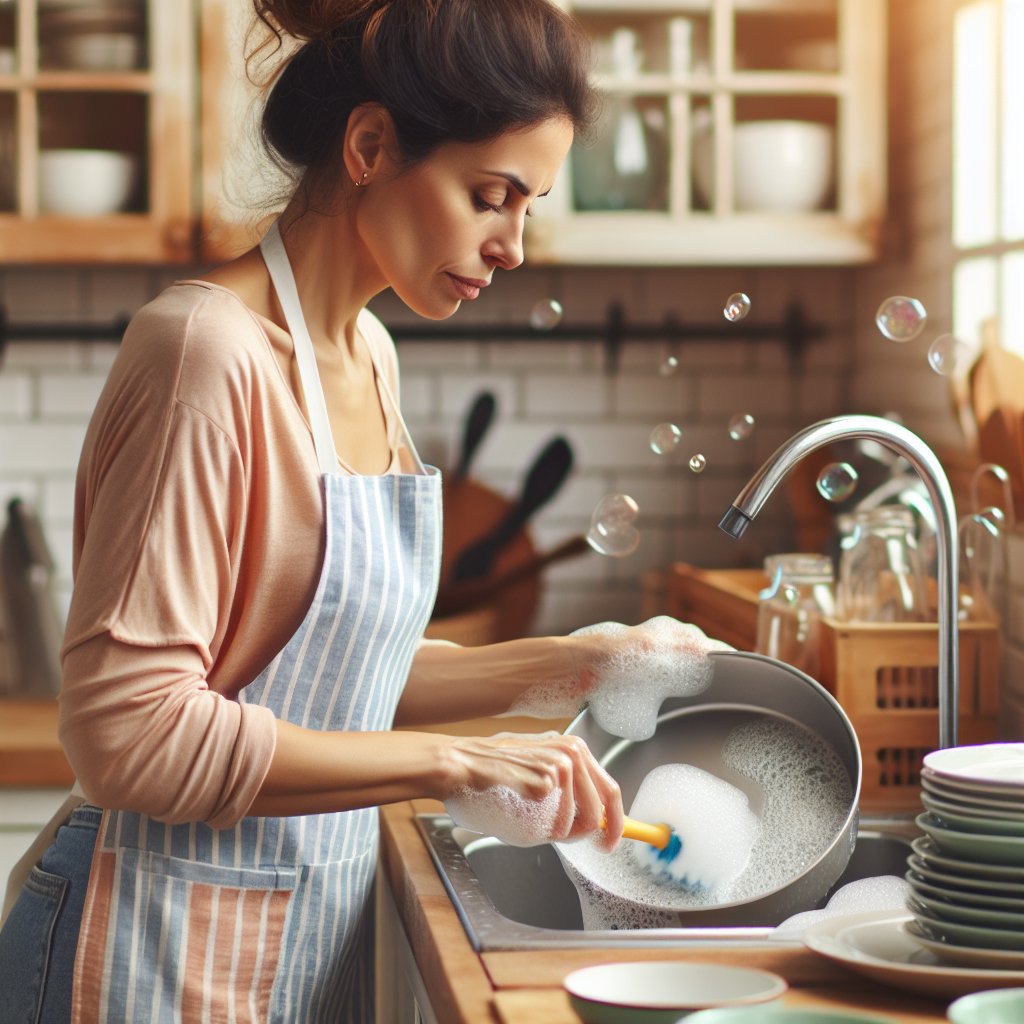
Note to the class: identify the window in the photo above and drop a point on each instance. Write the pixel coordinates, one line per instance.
(988, 170)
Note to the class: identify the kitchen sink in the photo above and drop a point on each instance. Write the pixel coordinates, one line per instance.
(514, 898)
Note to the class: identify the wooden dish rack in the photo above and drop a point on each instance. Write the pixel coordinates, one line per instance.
(885, 676)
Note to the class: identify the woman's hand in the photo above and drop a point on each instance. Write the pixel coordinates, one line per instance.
(532, 788)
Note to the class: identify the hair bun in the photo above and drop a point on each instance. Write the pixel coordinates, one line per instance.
(313, 20)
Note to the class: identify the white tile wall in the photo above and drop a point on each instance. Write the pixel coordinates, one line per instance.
(48, 390)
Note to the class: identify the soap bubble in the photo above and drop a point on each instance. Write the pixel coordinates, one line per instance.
(837, 481)
(697, 463)
(669, 367)
(664, 438)
(741, 426)
(611, 526)
(737, 306)
(900, 318)
(545, 315)
(944, 353)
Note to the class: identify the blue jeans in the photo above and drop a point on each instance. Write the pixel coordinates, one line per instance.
(40, 937)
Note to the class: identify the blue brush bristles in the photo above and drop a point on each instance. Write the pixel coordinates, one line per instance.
(672, 850)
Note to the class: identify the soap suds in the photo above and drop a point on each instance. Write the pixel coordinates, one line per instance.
(713, 820)
(807, 798)
(502, 812)
(663, 658)
(883, 892)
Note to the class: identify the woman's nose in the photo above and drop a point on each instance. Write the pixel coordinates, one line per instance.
(506, 249)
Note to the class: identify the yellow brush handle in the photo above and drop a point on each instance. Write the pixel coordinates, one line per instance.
(656, 835)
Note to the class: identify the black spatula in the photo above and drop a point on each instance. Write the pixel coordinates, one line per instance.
(477, 424)
(546, 476)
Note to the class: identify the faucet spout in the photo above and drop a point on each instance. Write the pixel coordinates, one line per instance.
(902, 441)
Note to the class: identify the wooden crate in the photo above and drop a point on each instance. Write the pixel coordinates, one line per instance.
(885, 675)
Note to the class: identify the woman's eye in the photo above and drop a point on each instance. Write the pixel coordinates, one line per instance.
(483, 204)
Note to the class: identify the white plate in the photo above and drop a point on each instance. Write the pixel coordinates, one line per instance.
(992, 764)
(970, 810)
(968, 956)
(876, 946)
(976, 795)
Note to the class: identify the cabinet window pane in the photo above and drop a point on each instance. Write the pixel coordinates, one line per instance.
(975, 97)
(974, 297)
(1011, 292)
(1013, 120)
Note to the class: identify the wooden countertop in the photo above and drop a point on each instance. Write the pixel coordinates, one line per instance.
(30, 753)
(466, 987)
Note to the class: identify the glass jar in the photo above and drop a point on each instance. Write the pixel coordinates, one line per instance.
(789, 615)
(881, 573)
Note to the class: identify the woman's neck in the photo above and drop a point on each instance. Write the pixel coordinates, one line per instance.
(334, 274)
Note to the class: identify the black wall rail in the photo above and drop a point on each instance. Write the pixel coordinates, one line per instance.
(794, 332)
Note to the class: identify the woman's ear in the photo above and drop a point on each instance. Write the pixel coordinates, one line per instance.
(369, 139)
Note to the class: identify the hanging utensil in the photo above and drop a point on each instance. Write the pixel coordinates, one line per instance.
(546, 476)
(478, 422)
(461, 597)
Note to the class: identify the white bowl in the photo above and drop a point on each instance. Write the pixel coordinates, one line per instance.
(777, 165)
(662, 991)
(84, 182)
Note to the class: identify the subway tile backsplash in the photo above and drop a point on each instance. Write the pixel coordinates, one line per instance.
(543, 388)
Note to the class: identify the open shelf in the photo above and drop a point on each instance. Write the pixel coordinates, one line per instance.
(709, 68)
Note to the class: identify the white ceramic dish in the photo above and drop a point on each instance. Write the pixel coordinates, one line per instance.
(876, 945)
(997, 798)
(663, 991)
(84, 182)
(935, 858)
(967, 956)
(991, 764)
(946, 805)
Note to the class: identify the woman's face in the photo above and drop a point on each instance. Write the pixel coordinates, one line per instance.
(437, 230)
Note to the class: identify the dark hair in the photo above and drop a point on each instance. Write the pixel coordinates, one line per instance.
(445, 70)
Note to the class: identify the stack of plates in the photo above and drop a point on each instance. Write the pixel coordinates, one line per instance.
(968, 874)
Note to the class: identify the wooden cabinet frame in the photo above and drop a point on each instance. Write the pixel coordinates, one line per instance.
(558, 234)
(164, 233)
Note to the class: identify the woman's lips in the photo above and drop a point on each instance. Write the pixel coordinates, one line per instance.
(467, 287)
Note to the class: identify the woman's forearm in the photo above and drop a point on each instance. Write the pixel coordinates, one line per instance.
(448, 683)
(318, 772)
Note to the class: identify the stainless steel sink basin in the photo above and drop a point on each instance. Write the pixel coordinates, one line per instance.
(513, 898)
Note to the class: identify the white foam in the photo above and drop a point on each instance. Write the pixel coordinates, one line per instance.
(807, 797)
(660, 658)
(502, 812)
(713, 820)
(883, 892)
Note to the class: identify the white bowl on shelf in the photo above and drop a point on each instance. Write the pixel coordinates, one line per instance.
(84, 182)
(783, 166)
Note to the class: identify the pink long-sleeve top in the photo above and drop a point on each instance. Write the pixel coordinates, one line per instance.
(198, 544)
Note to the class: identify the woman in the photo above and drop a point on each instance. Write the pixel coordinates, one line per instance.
(257, 549)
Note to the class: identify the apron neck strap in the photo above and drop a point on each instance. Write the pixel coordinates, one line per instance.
(276, 259)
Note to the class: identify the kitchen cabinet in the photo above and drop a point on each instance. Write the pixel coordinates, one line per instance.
(680, 169)
(120, 84)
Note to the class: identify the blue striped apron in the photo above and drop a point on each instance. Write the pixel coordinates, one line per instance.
(272, 920)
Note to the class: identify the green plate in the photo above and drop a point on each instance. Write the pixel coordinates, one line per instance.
(968, 915)
(993, 1007)
(972, 847)
(958, 934)
(989, 886)
(782, 1015)
(984, 901)
(969, 820)
(935, 858)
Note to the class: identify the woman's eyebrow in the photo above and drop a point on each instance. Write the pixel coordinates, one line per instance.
(514, 180)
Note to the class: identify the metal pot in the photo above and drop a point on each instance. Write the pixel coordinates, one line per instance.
(692, 730)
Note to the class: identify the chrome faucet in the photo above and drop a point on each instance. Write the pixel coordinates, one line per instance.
(922, 458)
